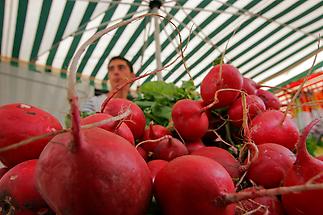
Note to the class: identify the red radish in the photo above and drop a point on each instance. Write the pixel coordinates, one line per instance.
(271, 101)
(304, 169)
(271, 166)
(260, 205)
(136, 121)
(124, 131)
(169, 148)
(100, 176)
(272, 126)
(155, 131)
(254, 105)
(19, 122)
(18, 194)
(223, 157)
(189, 119)
(221, 76)
(249, 86)
(189, 185)
(155, 166)
(119, 128)
(195, 145)
(93, 171)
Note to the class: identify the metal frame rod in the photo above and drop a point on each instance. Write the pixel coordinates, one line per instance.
(157, 44)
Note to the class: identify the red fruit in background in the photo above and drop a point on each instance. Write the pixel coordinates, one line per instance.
(20, 122)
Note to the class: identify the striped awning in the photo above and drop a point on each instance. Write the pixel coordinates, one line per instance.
(270, 41)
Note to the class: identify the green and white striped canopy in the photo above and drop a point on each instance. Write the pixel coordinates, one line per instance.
(270, 41)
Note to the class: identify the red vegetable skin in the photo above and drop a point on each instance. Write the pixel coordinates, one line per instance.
(189, 119)
(223, 157)
(155, 166)
(271, 127)
(168, 149)
(119, 128)
(230, 79)
(271, 101)
(18, 194)
(189, 185)
(103, 175)
(249, 86)
(136, 121)
(19, 122)
(271, 166)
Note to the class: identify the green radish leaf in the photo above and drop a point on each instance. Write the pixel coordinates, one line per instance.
(161, 111)
(156, 99)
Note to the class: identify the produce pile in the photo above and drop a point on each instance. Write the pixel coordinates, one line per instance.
(228, 149)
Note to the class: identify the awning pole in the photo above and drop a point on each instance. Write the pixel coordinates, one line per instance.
(157, 44)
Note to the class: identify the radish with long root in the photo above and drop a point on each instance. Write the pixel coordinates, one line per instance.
(22, 121)
(92, 171)
(18, 193)
(306, 169)
(273, 126)
(271, 165)
(221, 76)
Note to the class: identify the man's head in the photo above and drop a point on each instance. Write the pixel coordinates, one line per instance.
(120, 71)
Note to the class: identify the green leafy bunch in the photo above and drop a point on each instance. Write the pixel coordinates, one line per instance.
(156, 99)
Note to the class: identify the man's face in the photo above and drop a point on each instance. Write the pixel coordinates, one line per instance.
(118, 73)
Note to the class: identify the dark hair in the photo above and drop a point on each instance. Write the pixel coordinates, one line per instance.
(124, 59)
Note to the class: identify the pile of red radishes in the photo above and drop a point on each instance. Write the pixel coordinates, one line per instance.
(232, 152)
